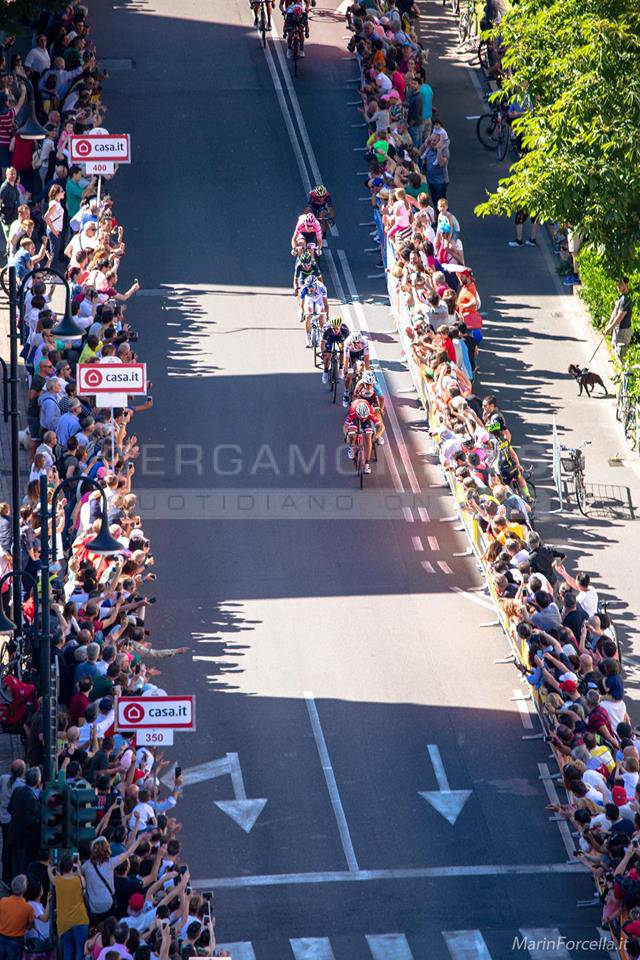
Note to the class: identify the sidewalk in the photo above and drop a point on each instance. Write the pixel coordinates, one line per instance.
(534, 329)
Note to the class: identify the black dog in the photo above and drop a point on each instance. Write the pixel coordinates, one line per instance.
(586, 380)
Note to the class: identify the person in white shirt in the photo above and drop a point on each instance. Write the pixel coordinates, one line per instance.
(143, 812)
(586, 595)
(38, 58)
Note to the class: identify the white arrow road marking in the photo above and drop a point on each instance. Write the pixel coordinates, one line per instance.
(242, 811)
(238, 951)
(466, 945)
(312, 948)
(389, 946)
(447, 802)
(543, 943)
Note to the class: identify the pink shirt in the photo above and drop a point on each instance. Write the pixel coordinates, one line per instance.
(400, 214)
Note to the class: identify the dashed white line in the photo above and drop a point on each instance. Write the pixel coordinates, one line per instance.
(433, 543)
(523, 708)
(444, 566)
(552, 793)
(427, 567)
(417, 544)
(422, 513)
(408, 514)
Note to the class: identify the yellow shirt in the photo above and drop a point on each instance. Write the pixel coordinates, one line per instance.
(70, 908)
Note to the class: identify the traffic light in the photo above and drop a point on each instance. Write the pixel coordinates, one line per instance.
(52, 815)
(81, 811)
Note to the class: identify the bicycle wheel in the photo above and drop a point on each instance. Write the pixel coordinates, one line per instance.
(621, 402)
(334, 378)
(483, 56)
(263, 25)
(581, 494)
(4, 279)
(361, 461)
(486, 130)
(504, 134)
(314, 341)
(295, 53)
(629, 422)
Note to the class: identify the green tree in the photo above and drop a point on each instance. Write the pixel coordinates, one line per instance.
(15, 15)
(579, 61)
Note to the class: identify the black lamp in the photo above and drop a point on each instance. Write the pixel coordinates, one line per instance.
(31, 129)
(67, 329)
(104, 543)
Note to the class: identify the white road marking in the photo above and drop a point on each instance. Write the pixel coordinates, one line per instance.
(287, 119)
(422, 513)
(399, 873)
(408, 515)
(344, 6)
(444, 567)
(523, 708)
(389, 946)
(428, 567)
(332, 786)
(481, 601)
(446, 801)
(466, 945)
(238, 951)
(433, 543)
(312, 948)
(417, 544)
(549, 946)
(552, 793)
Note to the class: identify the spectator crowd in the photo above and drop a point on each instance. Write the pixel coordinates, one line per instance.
(126, 895)
(565, 643)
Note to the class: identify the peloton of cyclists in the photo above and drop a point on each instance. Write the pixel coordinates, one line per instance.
(367, 388)
(362, 415)
(306, 266)
(333, 337)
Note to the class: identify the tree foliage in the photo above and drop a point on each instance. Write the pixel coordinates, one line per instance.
(580, 62)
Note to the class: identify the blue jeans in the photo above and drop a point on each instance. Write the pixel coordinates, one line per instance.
(416, 135)
(73, 942)
(10, 948)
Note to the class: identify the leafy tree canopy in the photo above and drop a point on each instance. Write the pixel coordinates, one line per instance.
(579, 61)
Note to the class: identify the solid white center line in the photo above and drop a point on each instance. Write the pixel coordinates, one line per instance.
(417, 544)
(332, 786)
(523, 707)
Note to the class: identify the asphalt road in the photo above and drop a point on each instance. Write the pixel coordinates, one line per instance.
(336, 641)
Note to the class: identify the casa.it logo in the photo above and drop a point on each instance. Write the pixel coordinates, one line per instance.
(93, 378)
(83, 148)
(132, 713)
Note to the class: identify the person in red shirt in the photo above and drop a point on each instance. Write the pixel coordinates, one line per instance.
(80, 700)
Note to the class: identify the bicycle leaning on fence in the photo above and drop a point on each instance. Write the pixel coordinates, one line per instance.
(628, 407)
(573, 466)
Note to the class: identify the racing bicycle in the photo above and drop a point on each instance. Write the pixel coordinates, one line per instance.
(316, 336)
(334, 369)
(359, 458)
(627, 410)
(573, 464)
(262, 22)
(297, 44)
(493, 130)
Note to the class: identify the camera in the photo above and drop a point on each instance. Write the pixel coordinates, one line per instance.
(133, 337)
(182, 870)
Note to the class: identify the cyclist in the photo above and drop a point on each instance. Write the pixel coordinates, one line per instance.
(308, 229)
(321, 206)
(361, 414)
(306, 266)
(368, 389)
(307, 5)
(334, 335)
(296, 20)
(255, 6)
(506, 463)
(356, 350)
(314, 303)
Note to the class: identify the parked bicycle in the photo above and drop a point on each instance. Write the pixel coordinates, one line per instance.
(494, 131)
(627, 407)
(573, 464)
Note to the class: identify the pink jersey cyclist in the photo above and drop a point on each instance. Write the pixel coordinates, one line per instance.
(308, 227)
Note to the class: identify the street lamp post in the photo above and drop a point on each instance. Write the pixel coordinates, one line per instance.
(15, 454)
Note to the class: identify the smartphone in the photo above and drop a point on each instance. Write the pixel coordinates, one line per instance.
(178, 772)
(207, 895)
(206, 918)
(76, 858)
(164, 923)
(182, 870)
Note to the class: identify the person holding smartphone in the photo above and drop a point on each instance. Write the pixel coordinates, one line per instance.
(72, 920)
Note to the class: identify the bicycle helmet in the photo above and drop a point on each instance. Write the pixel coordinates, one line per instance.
(336, 323)
(296, 10)
(362, 410)
(494, 424)
(310, 220)
(312, 281)
(369, 378)
(320, 191)
(357, 337)
(305, 259)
